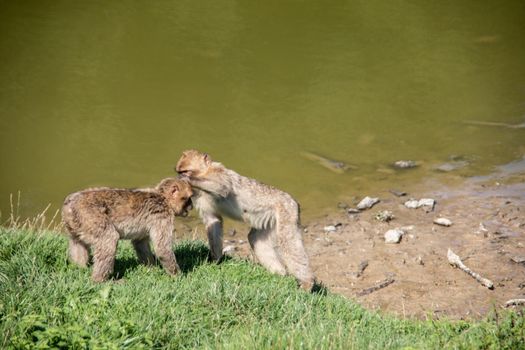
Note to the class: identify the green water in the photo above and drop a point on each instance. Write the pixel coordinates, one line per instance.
(110, 92)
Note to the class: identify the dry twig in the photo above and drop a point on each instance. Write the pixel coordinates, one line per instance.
(454, 260)
(512, 302)
(384, 283)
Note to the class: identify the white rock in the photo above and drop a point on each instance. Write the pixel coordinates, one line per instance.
(405, 164)
(426, 202)
(330, 228)
(393, 236)
(367, 203)
(412, 204)
(423, 202)
(443, 222)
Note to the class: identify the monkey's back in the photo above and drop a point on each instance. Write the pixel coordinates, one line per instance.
(256, 202)
(90, 211)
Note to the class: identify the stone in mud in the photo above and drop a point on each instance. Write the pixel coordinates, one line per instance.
(332, 228)
(398, 193)
(518, 259)
(412, 204)
(443, 222)
(393, 236)
(342, 205)
(367, 203)
(405, 164)
(428, 203)
(353, 211)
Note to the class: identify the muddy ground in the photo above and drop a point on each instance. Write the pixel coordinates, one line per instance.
(488, 232)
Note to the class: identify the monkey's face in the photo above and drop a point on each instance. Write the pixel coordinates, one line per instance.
(178, 194)
(193, 164)
(181, 198)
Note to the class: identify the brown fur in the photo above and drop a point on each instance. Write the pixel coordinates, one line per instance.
(275, 235)
(97, 218)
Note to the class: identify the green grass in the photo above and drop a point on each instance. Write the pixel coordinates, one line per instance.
(47, 303)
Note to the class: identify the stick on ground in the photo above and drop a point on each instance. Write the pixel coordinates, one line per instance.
(380, 285)
(454, 260)
(512, 302)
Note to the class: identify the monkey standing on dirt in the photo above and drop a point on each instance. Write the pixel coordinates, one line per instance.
(97, 218)
(275, 235)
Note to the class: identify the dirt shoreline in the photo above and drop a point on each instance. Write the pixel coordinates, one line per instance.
(488, 231)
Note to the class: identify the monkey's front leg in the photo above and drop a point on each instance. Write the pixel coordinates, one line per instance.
(214, 230)
(162, 239)
(104, 251)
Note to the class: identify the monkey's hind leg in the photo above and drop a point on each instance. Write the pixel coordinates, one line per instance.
(78, 252)
(262, 243)
(292, 250)
(214, 230)
(143, 251)
(104, 251)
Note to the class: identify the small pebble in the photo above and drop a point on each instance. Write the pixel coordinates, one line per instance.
(405, 164)
(398, 193)
(443, 222)
(393, 236)
(419, 260)
(330, 228)
(353, 211)
(232, 232)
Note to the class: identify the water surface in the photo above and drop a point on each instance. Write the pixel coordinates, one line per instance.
(109, 93)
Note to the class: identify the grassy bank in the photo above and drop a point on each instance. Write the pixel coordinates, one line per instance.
(46, 303)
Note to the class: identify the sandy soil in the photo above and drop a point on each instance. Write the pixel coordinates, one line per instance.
(488, 231)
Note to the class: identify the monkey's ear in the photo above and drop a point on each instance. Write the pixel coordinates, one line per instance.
(207, 158)
(175, 188)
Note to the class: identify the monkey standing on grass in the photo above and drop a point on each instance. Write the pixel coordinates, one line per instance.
(97, 218)
(275, 235)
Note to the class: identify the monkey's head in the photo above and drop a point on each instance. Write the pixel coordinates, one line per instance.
(193, 164)
(177, 193)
